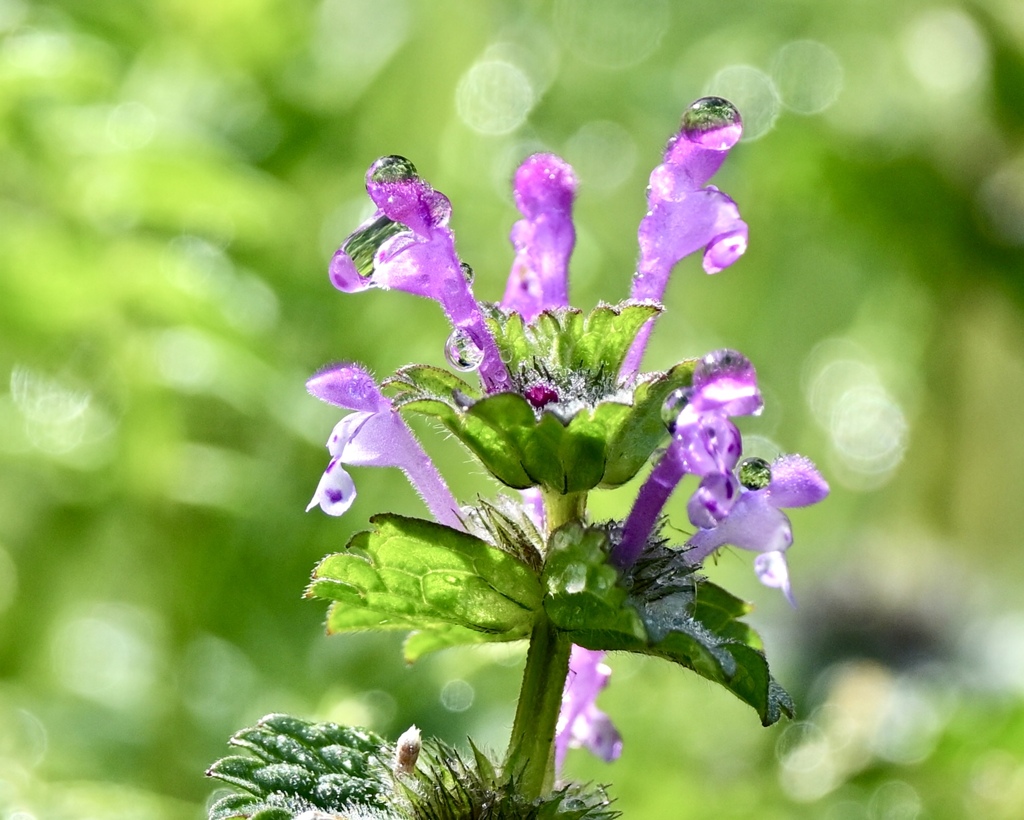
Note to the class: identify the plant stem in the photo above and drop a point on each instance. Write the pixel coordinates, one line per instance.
(531, 749)
(561, 509)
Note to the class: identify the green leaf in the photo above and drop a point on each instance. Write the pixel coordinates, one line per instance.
(421, 382)
(445, 636)
(599, 433)
(584, 596)
(633, 441)
(669, 612)
(412, 574)
(564, 340)
(699, 629)
(295, 766)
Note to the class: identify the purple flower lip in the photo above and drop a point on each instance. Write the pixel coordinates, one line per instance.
(756, 522)
(407, 245)
(684, 213)
(372, 435)
(544, 190)
(580, 722)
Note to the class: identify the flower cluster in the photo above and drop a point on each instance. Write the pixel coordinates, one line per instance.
(562, 409)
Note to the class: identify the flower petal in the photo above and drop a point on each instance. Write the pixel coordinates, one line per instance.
(725, 381)
(580, 722)
(545, 187)
(796, 482)
(595, 730)
(772, 571)
(708, 442)
(336, 490)
(752, 524)
(347, 385)
(713, 499)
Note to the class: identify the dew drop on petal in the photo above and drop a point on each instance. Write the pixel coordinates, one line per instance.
(462, 352)
(674, 404)
(755, 473)
(392, 169)
(724, 362)
(712, 122)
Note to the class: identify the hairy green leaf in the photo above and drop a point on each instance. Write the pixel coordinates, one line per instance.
(294, 767)
(677, 614)
(412, 574)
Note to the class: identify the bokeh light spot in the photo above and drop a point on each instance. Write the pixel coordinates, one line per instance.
(752, 92)
(867, 427)
(603, 154)
(108, 654)
(494, 97)
(8, 580)
(57, 418)
(808, 76)
(353, 41)
(894, 800)
(946, 51)
(457, 695)
(1001, 202)
(217, 679)
(130, 125)
(611, 33)
(23, 738)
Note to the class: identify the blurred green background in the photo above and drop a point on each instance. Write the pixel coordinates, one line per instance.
(174, 175)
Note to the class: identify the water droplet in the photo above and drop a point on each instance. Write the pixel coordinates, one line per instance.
(755, 473)
(391, 169)
(674, 405)
(724, 362)
(712, 122)
(574, 578)
(467, 272)
(362, 246)
(462, 352)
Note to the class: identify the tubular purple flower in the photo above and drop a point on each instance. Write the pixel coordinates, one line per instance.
(407, 245)
(704, 442)
(756, 521)
(545, 188)
(373, 435)
(683, 215)
(580, 722)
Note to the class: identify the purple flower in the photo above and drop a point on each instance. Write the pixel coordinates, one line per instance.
(545, 187)
(580, 722)
(407, 245)
(373, 435)
(684, 214)
(756, 521)
(704, 442)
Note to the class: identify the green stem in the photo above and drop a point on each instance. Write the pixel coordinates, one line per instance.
(531, 749)
(561, 509)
